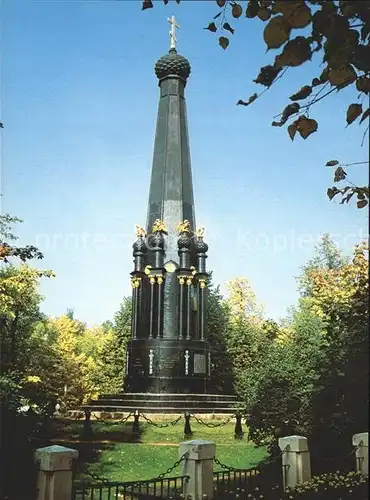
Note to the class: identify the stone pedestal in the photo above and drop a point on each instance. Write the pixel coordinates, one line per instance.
(295, 460)
(54, 480)
(199, 466)
(361, 442)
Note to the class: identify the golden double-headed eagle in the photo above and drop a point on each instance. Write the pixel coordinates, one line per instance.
(200, 232)
(159, 226)
(140, 231)
(184, 227)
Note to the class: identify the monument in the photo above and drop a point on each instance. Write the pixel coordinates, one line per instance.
(168, 364)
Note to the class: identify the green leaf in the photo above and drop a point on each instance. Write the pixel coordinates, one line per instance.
(250, 100)
(252, 9)
(365, 115)
(301, 94)
(292, 129)
(341, 77)
(211, 27)
(339, 174)
(306, 126)
(362, 203)
(267, 75)
(236, 10)
(295, 52)
(264, 13)
(147, 4)
(332, 163)
(224, 42)
(227, 27)
(276, 32)
(353, 112)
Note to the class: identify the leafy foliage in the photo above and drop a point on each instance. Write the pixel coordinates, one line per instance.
(337, 31)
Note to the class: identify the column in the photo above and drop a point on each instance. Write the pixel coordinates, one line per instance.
(361, 443)
(135, 282)
(181, 306)
(295, 460)
(201, 308)
(151, 311)
(54, 481)
(199, 466)
(159, 306)
(188, 308)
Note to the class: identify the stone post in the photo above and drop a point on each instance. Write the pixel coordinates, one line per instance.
(54, 481)
(361, 442)
(199, 466)
(295, 460)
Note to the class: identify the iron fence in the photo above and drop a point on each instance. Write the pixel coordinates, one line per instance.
(164, 488)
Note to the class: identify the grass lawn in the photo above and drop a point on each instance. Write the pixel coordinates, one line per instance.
(112, 453)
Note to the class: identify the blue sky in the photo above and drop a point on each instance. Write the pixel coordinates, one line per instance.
(79, 103)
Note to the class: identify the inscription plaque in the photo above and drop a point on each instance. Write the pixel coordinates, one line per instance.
(199, 363)
(168, 364)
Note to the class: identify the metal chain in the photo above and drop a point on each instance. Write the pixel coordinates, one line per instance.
(230, 468)
(160, 426)
(211, 425)
(163, 474)
(106, 481)
(108, 422)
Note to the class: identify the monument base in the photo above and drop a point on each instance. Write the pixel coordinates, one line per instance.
(165, 403)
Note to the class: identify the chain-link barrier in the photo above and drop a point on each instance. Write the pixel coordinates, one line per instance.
(131, 484)
(161, 426)
(268, 462)
(111, 422)
(211, 424)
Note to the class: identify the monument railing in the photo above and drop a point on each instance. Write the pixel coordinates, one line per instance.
(276, 478)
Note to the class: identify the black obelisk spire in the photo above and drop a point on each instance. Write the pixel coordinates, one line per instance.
(171, 190)
(168, 352)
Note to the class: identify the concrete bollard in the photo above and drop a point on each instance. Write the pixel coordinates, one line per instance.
(361, 442)
(199, 466)
(295, 460)
(54, 481)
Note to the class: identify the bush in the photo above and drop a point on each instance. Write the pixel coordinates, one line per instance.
(331, 486)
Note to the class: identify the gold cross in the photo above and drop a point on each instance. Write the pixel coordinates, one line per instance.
(173, 39)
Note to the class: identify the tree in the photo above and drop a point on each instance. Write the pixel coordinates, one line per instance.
(217, 320)
(336, 31)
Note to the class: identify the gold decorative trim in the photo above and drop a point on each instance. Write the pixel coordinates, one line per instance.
(151, 279)
(140, 231)
(160, 280)
(200, 232)
(202, 283)
(135, 282)
(184, 227)
(193, 270)
(147, 270)
(181, 279)
(159, 226)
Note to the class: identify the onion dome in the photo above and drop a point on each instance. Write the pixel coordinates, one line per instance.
(139, 245)
(172, 64)
(156, 240)
(184, 241)
(200, 245)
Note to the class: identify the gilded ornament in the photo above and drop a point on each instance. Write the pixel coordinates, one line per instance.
(159, 280)
(202, 283)
(200, 232)
(189, 281)
(193, 270)
(184, 227)
(135, 282)
(181, 280)
(159, 226)
(147, 270)
(140, 231)
(151, 279)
